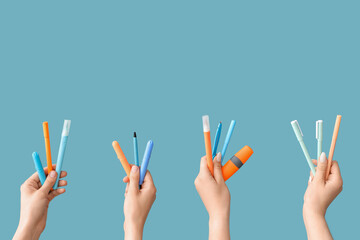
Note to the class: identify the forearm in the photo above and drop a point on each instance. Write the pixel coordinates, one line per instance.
(25, 233)
(219, 228)
(133, 232)
(316, 226)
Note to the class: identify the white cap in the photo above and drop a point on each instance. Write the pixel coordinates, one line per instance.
(66, 128)
(206, 123)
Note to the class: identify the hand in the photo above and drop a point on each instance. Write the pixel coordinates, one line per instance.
(137, 203)
(216, 198)
(318, 196)
(35, 201)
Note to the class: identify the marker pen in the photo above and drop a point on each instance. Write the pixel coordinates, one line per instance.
(145, 161)
(39, 168)
(63, 142)
(236, 162)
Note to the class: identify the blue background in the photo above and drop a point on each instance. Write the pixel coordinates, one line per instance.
(156, 67)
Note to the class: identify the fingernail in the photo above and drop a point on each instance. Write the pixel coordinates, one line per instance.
(309, 178)
(134, 169)
(218, 157)
(52, 174)
(322, 157)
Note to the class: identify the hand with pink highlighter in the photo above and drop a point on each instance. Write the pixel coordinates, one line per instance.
(216, 197)
(318, 196)
(137, 203)
(35, 201)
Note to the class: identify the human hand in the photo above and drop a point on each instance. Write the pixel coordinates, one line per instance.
(137, 203)
(35, 201)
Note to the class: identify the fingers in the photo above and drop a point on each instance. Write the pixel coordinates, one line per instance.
(148, 181)
(33, 178)
(49, 182)
(217, 169)
(321, 169)
(62, 183)
(134, 179)
(204, 167)
(335, 174)
(56, 193)
(126, 179)
(314, 161)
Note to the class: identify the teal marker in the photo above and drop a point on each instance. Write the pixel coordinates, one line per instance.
(319, 137)
(136, 152)
(299, 136)
(227, 139)
(216, 140)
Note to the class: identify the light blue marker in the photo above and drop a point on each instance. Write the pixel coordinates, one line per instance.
(39, 168)
(136, 152)
(319, 137)
(299, 136)
(64, 138)
(216, 140)
(145, 161)
(227, 139)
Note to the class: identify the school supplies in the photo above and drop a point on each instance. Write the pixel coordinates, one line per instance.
(145, 161)
(206, 127)
(63, 142)
(136, 152)
(299, 136)
(227, 139)
(121, 157)
(319, 137)
(333, 143)
(47, 145)
(216, 140)
(236, 162)
(39, 168)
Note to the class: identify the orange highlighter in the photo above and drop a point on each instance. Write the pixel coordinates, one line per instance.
(236, 162)
(121, 156)
(333, 143)
(209, 159)
(47, 145)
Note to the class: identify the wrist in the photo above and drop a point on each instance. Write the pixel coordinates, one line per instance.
(25, 231)
(133, 230)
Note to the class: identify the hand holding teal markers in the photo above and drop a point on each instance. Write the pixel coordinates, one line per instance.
(137, 203)
(320, 193)
(216, 197)
(35, 199)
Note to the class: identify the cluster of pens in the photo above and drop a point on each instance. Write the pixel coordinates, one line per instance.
(38, 166)
(145, 162)
(236, 161)
(319, 137)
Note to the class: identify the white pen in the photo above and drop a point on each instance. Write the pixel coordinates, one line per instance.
(319, 137)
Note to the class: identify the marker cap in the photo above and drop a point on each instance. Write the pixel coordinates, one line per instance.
(46, 129)
(244, 154)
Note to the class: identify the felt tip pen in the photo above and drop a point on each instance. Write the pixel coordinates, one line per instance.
(63, 142)
(145, 161)
(299, 136)
(319, 137)
(236, 162)
(227, 139)
(121, 156)
(216, 140)
(39, 168)
(333, 143)
(136, 152)
(47, 145)
(206, 128)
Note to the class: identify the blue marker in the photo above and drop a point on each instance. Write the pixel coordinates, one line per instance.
(39, 168)
(145, 161)
(216, 140)
(136, 152)
(64, 137)
(227, 139)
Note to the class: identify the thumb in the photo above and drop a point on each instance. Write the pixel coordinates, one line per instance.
(217, 169)
(320, 174)
(134, 179)
(49, 182)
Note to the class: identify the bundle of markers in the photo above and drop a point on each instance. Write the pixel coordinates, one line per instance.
(38, 166)
(145, 162)
(236, 161)
(319, 137)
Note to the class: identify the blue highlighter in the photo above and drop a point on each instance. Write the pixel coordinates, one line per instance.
(145, 161)
(39, 168)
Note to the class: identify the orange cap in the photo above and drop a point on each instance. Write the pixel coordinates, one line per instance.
(244, 154)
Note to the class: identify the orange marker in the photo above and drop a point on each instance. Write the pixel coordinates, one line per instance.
(236, 162)
(206, 127)
(121, 157)
(333, 143)
(47, 145)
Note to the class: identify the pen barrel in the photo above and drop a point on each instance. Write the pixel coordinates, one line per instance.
(121, 156)
(319, 148)
(209, 158)
(231, 167)
(136, 152)
(145, 161)
(60, 159)
(39, 168)
(307, 156)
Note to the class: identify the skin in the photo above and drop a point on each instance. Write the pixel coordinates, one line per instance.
(35, 200)
(318, 197)
(216, 197)
(137, 203)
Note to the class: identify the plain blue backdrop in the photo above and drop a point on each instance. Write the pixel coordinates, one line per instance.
(155, 67)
